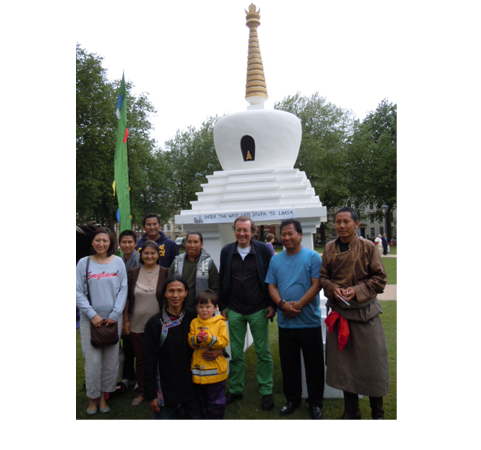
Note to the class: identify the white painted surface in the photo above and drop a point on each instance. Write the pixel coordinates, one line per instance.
(277, 136)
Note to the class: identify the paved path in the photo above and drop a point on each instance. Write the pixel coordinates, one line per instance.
(390, 292)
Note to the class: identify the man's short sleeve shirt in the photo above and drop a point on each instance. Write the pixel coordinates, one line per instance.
(292, 275)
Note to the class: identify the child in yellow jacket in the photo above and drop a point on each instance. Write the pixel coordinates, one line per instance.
(209, 331)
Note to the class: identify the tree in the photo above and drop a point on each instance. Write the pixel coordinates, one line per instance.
(190, 156)
(96, 100)
(372, 162)
(326, 133)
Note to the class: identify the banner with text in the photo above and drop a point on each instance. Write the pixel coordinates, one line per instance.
(275, 214)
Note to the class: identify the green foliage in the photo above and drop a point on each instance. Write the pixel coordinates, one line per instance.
(346, 160)
(372, 162)
(96, 139)
(326, 131)
(190, 157)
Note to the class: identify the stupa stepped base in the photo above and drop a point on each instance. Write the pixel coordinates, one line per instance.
(267, 196)
(235, 191)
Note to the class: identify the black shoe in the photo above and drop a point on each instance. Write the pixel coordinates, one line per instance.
(316, 413)
(289, 408)
(230, 397)
(267, 402)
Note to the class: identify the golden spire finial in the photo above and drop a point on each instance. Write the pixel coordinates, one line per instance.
(256, 90)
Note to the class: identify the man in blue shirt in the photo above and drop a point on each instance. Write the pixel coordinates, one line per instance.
(293, 279)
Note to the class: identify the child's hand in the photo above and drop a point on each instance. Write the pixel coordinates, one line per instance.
(202, 336)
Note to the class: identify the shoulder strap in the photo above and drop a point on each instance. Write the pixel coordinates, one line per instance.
(87, 279)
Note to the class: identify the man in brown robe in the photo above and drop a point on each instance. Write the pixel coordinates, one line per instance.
(352, 274)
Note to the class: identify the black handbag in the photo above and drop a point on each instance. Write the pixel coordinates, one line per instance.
(103, 335)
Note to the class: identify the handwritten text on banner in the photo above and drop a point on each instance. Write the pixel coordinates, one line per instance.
(275, 214)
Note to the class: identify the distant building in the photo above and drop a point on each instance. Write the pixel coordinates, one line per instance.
(173, 231)
(370, 230)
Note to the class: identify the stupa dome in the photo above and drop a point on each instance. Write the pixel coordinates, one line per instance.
(257, 139)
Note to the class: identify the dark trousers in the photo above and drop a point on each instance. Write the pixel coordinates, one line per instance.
(129, 370)
(183, 411)
(212, 400)
(138, 345)
(291, 342)
(384, 247)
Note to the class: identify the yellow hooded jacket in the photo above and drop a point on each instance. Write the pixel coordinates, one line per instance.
(208, 372)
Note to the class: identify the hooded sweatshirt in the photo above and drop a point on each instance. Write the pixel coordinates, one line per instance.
(167, 248)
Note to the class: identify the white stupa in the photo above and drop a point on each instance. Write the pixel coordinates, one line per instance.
(257, 149)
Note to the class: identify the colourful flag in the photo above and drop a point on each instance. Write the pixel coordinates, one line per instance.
(121, 164)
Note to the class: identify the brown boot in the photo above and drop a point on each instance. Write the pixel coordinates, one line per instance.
(377, 412)
(351, 407)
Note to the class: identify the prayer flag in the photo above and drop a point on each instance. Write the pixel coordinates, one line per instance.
(121, 163)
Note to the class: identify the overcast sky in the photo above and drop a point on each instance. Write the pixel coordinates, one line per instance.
(191, 57)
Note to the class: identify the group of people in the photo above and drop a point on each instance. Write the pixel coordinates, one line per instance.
(172, 312)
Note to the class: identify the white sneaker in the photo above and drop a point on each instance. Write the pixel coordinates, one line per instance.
(127, 382)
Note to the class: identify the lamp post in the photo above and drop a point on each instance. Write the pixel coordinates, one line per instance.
(384, 210)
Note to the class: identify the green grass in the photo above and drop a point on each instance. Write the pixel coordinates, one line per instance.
(390, 264)
(250, 406)
(393, 250)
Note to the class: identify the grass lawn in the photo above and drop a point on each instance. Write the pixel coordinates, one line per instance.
(390, 264)
(250, 406)
(393, 250)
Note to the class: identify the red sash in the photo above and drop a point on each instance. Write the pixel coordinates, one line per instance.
(343, 332)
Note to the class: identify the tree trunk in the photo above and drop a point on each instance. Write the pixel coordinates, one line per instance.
(111, 224)
(322, 232)
(389, 224)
